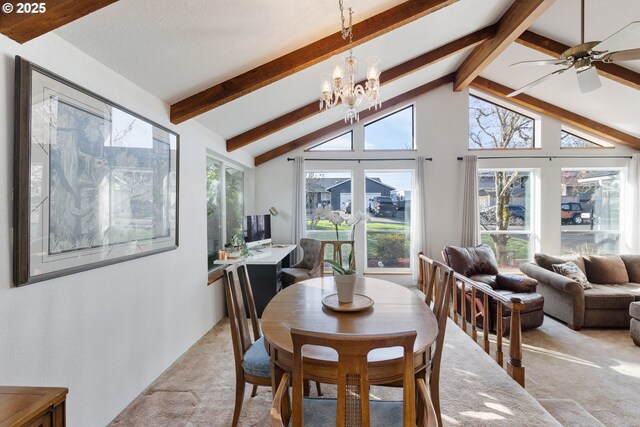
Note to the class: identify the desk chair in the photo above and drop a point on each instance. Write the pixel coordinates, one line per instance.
(352, 406)
(310, 265)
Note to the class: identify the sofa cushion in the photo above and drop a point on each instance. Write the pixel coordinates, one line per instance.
(546, 261)
(516, 283)
(631, 289)
(609, 269)
(572, 271)
(488, 279)
(471, 261)
(632, 263)
(604, 297)
(634, 310)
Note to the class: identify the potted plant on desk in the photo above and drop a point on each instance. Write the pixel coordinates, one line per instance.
(345, 279)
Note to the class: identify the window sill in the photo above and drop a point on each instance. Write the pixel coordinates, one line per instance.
(215, 275)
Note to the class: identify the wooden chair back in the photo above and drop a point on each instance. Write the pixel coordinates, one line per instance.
(336, 248)
(353, 379)
(439, 282)
(236, 281)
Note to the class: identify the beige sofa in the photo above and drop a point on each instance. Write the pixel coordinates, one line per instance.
(615, 282)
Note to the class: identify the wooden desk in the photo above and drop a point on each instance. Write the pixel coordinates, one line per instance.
(265, 269)
(32, 406)
(395, 309)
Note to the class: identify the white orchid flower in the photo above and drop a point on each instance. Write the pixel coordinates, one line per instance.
(336, 218)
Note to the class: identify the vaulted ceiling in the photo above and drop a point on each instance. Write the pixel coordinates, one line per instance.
(250, 71)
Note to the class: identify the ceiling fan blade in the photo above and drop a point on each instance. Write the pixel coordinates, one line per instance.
(623, 55)
(588, 80)
(539, 62)
(625, 39)
(536, 82)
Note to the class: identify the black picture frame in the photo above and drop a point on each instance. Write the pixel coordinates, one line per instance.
(94, 183)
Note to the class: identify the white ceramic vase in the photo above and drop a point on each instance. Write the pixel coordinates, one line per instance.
(346, 286)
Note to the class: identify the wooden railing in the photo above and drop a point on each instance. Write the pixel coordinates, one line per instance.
(477, 295)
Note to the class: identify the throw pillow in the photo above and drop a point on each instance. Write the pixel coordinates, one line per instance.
(546, 261)
(632, 262)
(572, 271)
(608, 269)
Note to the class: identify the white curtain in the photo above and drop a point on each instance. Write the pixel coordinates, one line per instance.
(418, 215)
(299, 207)
(632, 238)
(469, 215)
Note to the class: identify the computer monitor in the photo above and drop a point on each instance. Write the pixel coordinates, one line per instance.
(257, 230)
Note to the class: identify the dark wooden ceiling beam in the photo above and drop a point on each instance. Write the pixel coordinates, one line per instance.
(515, 20)
(401, 70)
(302, 58)
(339, 125)
(23, 27)
(554, 49)
(575, 120)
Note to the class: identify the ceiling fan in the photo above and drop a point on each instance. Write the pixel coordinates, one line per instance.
(623, 45)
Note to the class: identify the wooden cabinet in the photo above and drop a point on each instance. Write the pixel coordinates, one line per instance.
(32, 406)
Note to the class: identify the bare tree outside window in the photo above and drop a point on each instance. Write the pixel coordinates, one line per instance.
(495, 127)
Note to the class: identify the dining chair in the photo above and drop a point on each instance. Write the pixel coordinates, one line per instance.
(439, 285)
(336, 252)
(352, 406)
(252, 361)
(310, 265)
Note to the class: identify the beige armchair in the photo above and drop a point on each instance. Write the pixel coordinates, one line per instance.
(310, 265)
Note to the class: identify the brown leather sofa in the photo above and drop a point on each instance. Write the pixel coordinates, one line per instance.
(479, 264)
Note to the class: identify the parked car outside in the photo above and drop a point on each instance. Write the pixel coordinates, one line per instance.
(382, 206)
(574, 213)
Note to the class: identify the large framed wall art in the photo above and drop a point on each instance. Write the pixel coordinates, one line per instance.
(94, 183)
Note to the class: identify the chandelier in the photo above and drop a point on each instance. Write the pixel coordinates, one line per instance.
(341, 87)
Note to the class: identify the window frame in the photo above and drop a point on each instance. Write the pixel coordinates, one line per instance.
(531, 205)
(535, 144)
(224, 166)
(595, 142)
(313, 150)
(621, 206)
(413, 131)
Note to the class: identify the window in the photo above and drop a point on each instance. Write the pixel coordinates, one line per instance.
(225, 198)
(569, 140)
(327, 191)
(388, 232)
(504, 202)
(342, 142)
(234, 189)
(494, 127)
(392, 132)
(590, 211)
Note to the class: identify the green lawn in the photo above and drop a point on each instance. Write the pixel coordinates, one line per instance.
(519, 247)
(325, 230)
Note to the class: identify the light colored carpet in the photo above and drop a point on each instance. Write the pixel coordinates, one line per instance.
(198, 390)
(597, 368)
(569, 413)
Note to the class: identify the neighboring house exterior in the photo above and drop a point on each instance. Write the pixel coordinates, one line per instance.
(341, 192)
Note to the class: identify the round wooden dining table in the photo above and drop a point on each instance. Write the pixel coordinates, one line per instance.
(395, 309)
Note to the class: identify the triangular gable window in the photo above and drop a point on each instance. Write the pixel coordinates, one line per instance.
(569, 140)
(342, 142)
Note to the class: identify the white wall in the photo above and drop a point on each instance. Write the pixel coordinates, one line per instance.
(105, 333)
(442, 133)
